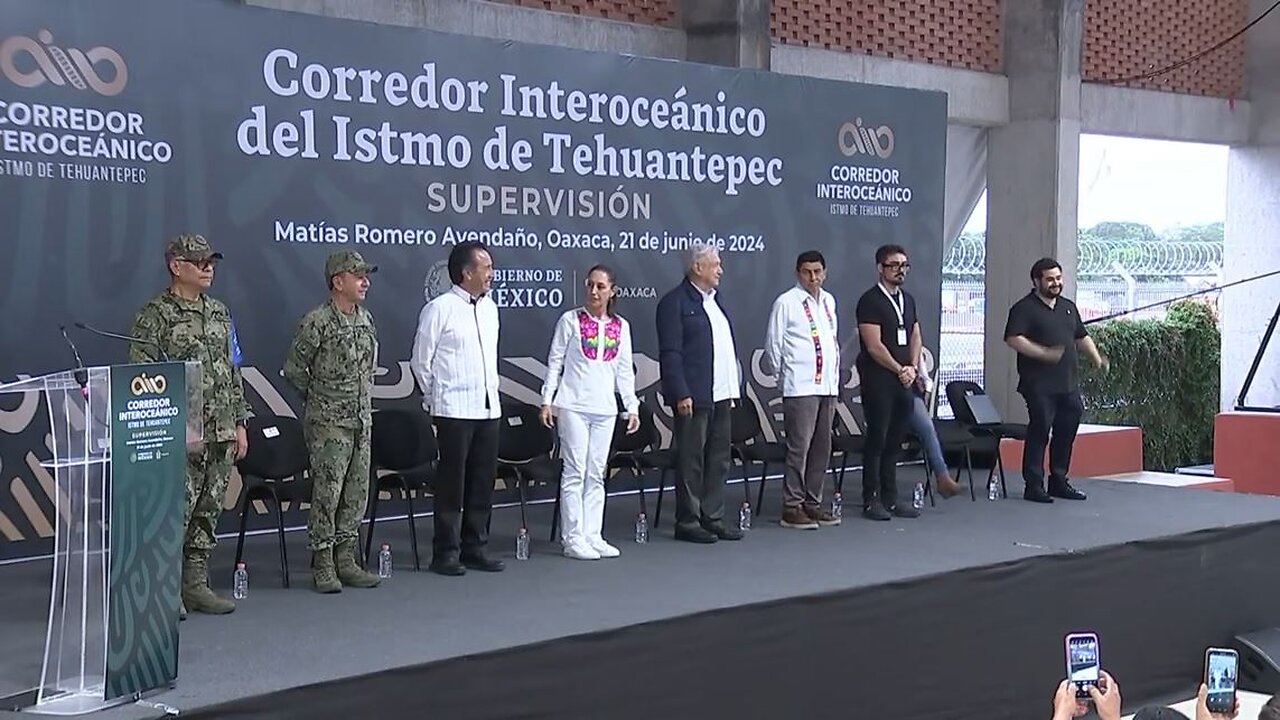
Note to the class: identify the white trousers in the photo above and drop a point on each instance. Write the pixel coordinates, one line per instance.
(584, 445)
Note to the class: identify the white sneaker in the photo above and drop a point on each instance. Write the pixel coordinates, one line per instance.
(605, 549)
(580, 551)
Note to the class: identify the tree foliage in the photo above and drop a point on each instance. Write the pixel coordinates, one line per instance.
(1164, 378)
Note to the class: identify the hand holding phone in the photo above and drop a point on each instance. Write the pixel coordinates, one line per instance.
(1084, 663)
(1221, 666)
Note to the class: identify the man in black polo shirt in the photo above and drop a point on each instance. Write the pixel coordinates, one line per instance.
(1046, 331)
(889, 339)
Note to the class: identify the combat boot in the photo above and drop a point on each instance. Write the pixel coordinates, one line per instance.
(349, 571)
(323, 575)
(196, 595)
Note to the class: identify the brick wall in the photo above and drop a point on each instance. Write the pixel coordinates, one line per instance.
(646, 12)
(1124, 38)
(958, 33)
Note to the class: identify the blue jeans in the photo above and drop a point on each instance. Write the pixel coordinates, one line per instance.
(922, 426)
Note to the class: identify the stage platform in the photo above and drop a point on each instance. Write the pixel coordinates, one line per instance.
(957, 614)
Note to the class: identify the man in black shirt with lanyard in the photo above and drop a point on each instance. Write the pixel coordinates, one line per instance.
(1046, 330)
(889, 338)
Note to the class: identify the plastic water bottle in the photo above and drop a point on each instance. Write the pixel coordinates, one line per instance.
(744, 516)
(240, 582)
(522, 544)
(917, 497)
(642, 529)
(993, 488)
(837, 506)
(384, 561)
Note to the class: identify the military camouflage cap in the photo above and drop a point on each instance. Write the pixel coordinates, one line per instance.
(190, 247)
(347, 261)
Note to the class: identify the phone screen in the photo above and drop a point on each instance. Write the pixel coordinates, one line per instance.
(1220, 678)
(1083, 666)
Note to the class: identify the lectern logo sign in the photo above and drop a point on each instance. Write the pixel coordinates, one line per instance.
(147, 500)
(144, 384)
(31, 62)
(854, 139)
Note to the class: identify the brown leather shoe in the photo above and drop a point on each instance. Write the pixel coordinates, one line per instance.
(947, 487)
(823, 517)
(797, 519)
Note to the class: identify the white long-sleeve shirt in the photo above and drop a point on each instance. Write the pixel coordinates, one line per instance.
(801, 346)
(590, 360)
(724, 356)
(455, 357)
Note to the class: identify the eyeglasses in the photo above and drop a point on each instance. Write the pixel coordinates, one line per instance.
(897, 265)
(201, 264)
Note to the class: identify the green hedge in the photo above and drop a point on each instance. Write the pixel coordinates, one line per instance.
(1163, 378)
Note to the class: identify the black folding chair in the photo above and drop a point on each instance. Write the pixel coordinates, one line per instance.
(404, 443)
(846, 443)
(626, 450)
(747, 445)
(273, 471)
(850, 445)
(652, 457)
(955, 441)
(975, 412)
(526, 450)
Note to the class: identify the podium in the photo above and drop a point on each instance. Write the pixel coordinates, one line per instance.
(119, 440)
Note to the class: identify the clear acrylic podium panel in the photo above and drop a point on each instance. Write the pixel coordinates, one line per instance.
(73, 671)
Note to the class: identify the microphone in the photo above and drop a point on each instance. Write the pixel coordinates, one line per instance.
(81, 374)
(127, 338)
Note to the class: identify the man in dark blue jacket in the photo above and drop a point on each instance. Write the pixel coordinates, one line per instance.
(700, 381)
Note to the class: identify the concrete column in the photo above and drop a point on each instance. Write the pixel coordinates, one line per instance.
(734, 33)
(1252, 241)
(1033, 173)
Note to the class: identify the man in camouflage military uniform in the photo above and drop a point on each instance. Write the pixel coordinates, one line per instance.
(190, 325)
(331, 362)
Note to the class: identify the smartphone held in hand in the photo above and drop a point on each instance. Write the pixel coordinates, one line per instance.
(1084, 663)
(1221, 667)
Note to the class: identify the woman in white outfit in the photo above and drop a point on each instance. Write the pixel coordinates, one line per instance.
(590, 360)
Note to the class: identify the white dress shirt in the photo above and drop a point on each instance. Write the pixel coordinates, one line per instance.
(791, 346)
(724, 358)
(588, 384)
(455, 357)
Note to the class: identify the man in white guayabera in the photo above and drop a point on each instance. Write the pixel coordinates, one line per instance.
(455, 361)
(802, 350)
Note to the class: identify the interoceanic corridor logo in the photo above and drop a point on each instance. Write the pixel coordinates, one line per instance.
(144, 384)
(854, 139)
(28, 63)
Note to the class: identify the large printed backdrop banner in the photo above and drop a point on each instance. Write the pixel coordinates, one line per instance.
(284, 137)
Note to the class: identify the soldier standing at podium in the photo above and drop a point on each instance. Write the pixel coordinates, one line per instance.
(331, 363)
(190, 325)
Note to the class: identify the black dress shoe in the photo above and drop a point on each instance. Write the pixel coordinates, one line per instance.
(1035, 493)
(483, 563)
(696, 534)
(875, 511)
(447, 566)
(722, 531)
(1065, 491)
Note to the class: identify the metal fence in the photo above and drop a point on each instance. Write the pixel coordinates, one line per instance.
(964, 314)
(1119, 274)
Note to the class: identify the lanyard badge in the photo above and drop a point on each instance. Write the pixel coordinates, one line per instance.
(817, 338)
(899, 308)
